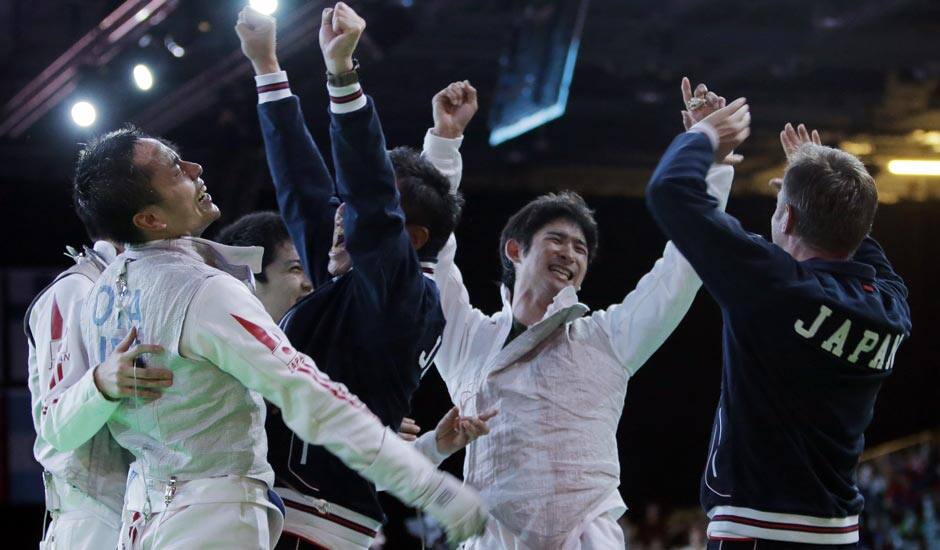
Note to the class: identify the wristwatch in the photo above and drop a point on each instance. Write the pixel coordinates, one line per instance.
(344, 79)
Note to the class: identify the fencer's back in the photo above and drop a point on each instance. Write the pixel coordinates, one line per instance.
(207, 424)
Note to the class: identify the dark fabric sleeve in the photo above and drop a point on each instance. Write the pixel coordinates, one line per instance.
(736, 267)
(871, 253)
(374, 222)
(305, 192)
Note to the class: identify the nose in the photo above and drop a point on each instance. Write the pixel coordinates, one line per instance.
(306, 286)
(192, 169)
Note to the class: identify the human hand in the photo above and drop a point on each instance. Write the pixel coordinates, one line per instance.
(700, 104)
(340, 30)
(258, 35)
(793, 138)
(409, 429)
(454, 432)
(118, 378)
(732, 124)
(453, 108)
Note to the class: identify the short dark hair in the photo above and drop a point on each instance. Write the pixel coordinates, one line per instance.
(265, 229)
(109, 188)
(426, 197)
(834, 198)
(539, 212)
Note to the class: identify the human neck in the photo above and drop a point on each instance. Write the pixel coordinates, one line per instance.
(529, 305)
(802, 252)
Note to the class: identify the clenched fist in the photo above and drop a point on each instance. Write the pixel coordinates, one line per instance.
(340, 29)
(257, 33)
(453, 108)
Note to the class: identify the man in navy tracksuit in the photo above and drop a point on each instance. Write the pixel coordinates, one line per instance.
(812, 323)
(374, 320)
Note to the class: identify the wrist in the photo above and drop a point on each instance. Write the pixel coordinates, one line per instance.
(99, 385)
(265, 66)
(338, 67)
(445, 131)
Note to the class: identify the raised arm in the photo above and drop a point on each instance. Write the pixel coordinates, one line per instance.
(734, 265)
(242, 340)
(306, 195)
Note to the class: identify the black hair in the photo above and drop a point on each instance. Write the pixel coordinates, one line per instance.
(265, 229)
(426, 198)
(108, 188)
(539, 212)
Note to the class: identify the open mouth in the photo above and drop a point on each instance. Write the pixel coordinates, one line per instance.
(562, 272)
(203, 197)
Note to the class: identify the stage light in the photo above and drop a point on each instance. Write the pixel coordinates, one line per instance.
(857, 148)
(912, 167)
(143, 77)
(266, 7)
(175, 49)
(84, 114)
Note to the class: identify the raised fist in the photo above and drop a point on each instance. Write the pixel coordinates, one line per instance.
(257, 33)
(340, 29)
(453, 108)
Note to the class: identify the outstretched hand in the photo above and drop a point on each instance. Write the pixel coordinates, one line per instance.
(732, 124)
(793, 138)
(453, 108)
(340, 30)
(117, 377)
(258, 35)
(700, 104)
(454, 432)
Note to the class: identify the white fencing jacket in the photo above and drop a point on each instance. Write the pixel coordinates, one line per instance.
(550, 461)
(89, 476)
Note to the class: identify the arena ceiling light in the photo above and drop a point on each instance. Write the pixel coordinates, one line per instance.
(143, 77)
(83, 113)
(914, 167)
(266, 7)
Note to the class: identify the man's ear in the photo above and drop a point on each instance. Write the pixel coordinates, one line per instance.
(149, 220)
(418, 234)
(789, 219)
(513, 251)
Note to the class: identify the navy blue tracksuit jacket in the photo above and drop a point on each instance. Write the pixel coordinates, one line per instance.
(375, 328)
(807, 346)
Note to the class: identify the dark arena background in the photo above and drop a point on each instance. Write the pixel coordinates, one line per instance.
(579, 95)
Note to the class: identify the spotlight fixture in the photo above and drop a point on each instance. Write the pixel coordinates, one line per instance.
(84, 114)
(914, 167)
(266, 7)
(143, 77)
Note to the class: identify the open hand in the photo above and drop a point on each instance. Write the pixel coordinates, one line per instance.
(700, 104)
(340, 30)
(793, 138)
(732, 124)
(118, 378)
(257, 33)
(453, 108)
(454, 432)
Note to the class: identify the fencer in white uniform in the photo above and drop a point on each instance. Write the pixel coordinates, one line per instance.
(549, 469)
(201, 478)
(84, 486)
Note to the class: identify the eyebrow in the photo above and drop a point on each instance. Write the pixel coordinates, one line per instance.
(564, 235)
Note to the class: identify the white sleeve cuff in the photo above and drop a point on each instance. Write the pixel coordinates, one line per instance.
(346, 99)
(709, 130)
(441, 147)
(272, 86)
(427, 445)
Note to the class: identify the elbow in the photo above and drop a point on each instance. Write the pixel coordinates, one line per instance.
(657, 195)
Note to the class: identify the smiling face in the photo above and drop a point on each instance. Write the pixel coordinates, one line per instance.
(557, 257)
(285, 281)
(340, 261)
(185, 208)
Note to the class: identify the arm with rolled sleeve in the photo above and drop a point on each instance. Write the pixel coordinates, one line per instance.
(736, 267)
(638, 326)
(68, 408)
(306, 195)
